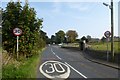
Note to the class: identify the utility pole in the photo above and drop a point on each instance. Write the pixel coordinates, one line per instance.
(112, 28)
(112, 31)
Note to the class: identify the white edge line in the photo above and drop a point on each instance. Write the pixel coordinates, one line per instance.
(76, 70)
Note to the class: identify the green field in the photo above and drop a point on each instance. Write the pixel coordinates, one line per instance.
(103, 46)
(97, 46)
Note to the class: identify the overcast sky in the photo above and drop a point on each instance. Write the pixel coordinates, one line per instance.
(87, 18)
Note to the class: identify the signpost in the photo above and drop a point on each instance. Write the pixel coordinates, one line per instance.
(107, 35)
(17, 32)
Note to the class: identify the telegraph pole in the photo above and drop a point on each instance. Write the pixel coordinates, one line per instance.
(112, 31)
(112, 28)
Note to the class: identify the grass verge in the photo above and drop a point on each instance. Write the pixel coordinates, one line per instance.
(22, 69)
(103, 46)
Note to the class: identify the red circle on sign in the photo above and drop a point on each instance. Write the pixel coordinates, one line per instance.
(107, 34)
(17, 31)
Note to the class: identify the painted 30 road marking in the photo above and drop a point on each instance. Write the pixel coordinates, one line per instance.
(52, 70)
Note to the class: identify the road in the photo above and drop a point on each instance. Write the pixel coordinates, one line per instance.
(61, 63)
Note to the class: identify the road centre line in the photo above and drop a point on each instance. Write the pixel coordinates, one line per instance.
(70, 66)
(55, 54)
(76, 70)
(58, 57)
(52, 51)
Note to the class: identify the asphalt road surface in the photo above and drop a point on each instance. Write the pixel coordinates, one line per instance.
(59, 63)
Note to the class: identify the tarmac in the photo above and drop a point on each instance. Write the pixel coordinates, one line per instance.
(99, 61)
(103, 62)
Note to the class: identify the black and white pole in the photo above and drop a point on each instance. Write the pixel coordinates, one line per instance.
(17, 32)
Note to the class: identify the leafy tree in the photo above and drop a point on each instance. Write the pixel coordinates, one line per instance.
(48, 40)
(103, 39)
(24, 18)
(65, 40)
(10, 20)
(88, 38)
(71, 36)
(84, 38)
(43, 35)
(60, 36)
(77, 40)
(53, 39)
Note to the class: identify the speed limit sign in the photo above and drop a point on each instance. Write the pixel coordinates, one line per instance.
(107, 34)
(17, 31)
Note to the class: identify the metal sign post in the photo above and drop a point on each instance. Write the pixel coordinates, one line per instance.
(17, 45)
(17, 32)
(107, 50)
(107, 35)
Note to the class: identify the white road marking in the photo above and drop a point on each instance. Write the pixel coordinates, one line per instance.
(70, 65)
(62, 76)
(55, 54)
(52, 51)
(59, 71)
(76, 70)
(58, 57)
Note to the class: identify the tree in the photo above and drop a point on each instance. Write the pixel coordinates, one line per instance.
(71, 35)
(10, 19)
(43, 35)
(48, 40)
(84, 38)
(53, 39)
(24, 18)
(77, 40)
(60, 36)
(103, 39)
(88, 38)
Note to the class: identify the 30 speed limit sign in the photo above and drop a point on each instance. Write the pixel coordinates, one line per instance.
(17, 31)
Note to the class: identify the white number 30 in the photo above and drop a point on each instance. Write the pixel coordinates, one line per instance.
(53, 68)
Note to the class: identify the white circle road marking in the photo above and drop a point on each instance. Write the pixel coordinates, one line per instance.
(65, 75)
